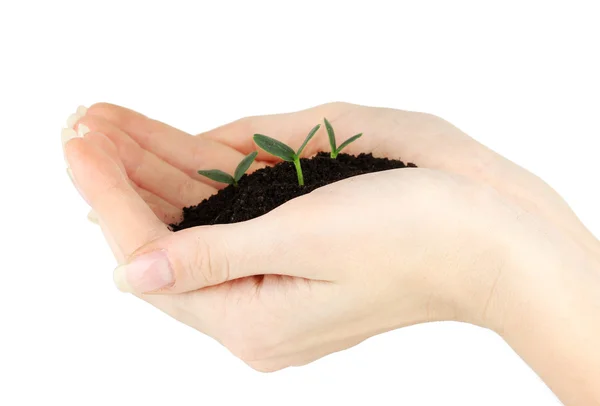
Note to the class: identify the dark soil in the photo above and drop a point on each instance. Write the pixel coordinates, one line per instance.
(268, 188)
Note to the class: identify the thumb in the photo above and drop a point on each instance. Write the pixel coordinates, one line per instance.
(198, 257)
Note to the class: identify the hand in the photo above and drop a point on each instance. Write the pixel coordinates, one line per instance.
(264, 290)
(321, 273)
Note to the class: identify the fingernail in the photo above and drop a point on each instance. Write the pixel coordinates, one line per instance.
(93, 217)
(82, 110)
(72, 120)
(146, 273)
(67, 134)
(82, 130)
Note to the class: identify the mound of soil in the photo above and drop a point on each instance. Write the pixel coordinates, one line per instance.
(268, 188)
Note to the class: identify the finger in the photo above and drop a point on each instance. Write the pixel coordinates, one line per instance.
(177, 306)
(168, 213)
(208, 256)
(112, 244)
(173, 146)
(127, 223)
(106, 188)
(183, 307)
(147, 170)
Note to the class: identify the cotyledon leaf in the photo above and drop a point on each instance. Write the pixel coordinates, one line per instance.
(308, 137)
(331, 135)
(274, 147)
(348, 142)
(244, 165)
(218, 176)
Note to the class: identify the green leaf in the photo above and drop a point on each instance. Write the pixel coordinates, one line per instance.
(244, 165)
(218, 176)
(347, 142)
(331, 135)
(308, 137)
(274, 147)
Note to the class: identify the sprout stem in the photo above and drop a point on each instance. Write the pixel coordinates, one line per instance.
(299, 171)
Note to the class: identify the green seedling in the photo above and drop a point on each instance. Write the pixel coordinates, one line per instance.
(220, 176)
(336, 150)
(279, 149)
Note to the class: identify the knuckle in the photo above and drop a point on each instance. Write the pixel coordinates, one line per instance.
(200, 154)
(112, 187)
(430, 123)
(334, 108)
(337, 105)
(206, 267)
(244, 121)
(245, 125)
(186, 190)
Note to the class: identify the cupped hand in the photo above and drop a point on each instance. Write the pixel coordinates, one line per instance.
(322, 272)
(325, 271)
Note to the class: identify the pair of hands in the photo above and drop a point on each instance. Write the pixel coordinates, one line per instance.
(325, 271)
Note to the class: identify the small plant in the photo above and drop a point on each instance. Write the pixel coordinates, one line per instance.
(336, 150)
(220, 176)
(279, 149)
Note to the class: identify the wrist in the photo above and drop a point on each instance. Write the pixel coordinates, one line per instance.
(545, 272)
(512, 258)
(548, 310)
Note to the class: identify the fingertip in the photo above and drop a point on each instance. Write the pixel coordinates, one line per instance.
(92, 168)
(108, 191)
(66, 135)
(74, 146)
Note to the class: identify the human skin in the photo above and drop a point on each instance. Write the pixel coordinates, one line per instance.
(468, 236)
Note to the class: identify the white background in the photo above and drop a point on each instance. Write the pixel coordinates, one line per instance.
(521, 77)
